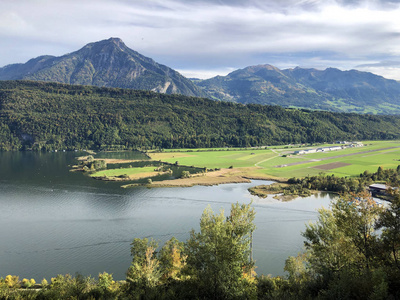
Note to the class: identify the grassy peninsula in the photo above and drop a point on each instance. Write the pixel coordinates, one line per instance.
(299, 170)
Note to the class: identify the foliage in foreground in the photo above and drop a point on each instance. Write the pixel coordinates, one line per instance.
(346, 257)
(351, 252)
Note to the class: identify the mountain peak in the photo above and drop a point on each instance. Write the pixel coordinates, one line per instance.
(110, 43)
(116, 41)
(108, 63)
(262, 67)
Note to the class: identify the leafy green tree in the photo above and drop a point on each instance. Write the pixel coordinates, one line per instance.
(329, 248)
(219, 255)
(356, 215)
(144, 274)
(344, 237)
(343, 249)
(173, 260)
(389, 222)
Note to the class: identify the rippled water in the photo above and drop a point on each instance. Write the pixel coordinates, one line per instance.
(54, 222)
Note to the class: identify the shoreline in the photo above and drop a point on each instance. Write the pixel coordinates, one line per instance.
(130, 177)
(222, 176)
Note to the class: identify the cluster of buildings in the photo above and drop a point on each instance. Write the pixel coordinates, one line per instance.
(330, 148)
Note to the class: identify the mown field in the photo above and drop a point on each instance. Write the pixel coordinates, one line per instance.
(278, 162)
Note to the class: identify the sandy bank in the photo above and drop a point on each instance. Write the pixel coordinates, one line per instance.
(223, 176)
(129, 177)
(110, 160)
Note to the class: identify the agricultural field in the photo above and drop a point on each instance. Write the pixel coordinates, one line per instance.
(215, 159)
(281, 163)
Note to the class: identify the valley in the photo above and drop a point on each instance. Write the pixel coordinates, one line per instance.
(220, 150)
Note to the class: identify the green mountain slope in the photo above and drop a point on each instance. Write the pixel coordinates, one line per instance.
(48, 116)
(331, 89)
(107, 63)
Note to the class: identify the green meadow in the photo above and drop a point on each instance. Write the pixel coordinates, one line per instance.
(215, 159)
(123, 171)
(280, 161)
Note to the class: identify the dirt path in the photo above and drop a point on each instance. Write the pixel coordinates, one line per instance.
(257, 163)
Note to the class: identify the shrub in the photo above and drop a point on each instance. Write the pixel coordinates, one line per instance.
(28, 283)
(12, 281)
(185, 174)
(44, 282)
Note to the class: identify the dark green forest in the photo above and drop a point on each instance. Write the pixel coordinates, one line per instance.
(47, 116)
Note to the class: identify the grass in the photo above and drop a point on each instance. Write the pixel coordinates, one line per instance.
(216, 159)
(237, 165)
(123, 171)
(264, 162)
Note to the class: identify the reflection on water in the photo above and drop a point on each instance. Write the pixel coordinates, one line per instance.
(54, 221)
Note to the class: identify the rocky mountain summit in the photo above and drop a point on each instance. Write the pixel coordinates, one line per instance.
(108, 63)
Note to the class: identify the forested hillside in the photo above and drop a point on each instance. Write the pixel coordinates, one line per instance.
(58, 116)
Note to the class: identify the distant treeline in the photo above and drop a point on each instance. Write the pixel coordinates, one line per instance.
(46, 116)
(330, 183)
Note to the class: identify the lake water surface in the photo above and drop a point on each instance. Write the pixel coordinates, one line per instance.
(53, 221)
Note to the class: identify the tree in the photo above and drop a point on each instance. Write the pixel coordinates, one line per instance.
(213, 264)
(144, 274)
(173, 260)
(356, 215)
(219, 255)
(329, 248)
(344, 236)
(389, 222)
(342, 246)
(380, 172)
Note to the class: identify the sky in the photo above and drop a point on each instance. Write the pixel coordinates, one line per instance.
(205, 38)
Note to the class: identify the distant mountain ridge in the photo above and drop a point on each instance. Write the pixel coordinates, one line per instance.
(108, 63)
(330, 89)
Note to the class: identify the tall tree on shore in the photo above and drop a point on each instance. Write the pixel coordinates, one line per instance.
(219, 255)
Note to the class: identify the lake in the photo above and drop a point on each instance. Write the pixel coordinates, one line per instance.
(53, 221)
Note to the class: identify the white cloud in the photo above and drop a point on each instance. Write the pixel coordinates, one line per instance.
(387, 72)
(207, 35)
(205, 74)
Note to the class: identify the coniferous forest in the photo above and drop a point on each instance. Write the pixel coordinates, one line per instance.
(47, 116)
